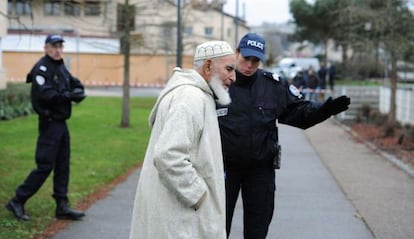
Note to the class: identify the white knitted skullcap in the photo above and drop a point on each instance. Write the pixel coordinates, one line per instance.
(212, 49)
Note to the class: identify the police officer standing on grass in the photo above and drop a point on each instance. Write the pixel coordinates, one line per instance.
(248, 126)
(53, 91)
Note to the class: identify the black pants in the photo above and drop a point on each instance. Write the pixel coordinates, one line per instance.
(52, 153)
(258, 194)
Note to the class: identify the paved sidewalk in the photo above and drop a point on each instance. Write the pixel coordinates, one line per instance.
(309, 202)
(382, 192)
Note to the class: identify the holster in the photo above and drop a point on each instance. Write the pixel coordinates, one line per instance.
(278, 156)
(278, 149)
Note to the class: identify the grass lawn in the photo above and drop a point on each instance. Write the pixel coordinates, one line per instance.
(100, 152)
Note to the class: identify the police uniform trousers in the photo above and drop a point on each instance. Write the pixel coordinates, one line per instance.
(52, 153)
(257, 185)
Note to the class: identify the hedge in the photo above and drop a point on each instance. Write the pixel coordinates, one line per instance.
(15, 101)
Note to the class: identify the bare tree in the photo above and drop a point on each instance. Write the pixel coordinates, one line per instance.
(128, 14)
(390, 27)
(361, 24)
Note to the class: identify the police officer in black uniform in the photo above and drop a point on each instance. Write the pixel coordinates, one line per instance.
(52, 93)
(249, 134)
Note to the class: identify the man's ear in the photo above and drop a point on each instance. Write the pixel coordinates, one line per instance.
(208, 65)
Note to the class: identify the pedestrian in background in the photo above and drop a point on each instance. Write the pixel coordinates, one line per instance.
(181, 191)
(299, 80)
(322, 75)
(313, 85)
(332, 76)
(248, 126)
(52, 93)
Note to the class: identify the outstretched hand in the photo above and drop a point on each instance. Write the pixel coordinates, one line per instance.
(335, 106)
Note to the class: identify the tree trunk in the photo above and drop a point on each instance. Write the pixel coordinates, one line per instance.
(344, 58)
(126, 52)
(394, 79)
(326, 41)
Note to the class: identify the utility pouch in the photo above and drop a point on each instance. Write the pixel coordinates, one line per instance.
(278, 156)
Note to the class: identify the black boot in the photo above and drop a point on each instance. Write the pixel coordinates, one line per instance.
(17, 209)
(63, 211)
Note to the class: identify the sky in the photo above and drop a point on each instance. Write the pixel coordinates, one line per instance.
(259, 11)
(271, 11)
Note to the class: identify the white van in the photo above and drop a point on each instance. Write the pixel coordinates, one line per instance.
(290, 66)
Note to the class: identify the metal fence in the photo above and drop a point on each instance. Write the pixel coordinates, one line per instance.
(404, 102)
(378, 97)
(360, 96)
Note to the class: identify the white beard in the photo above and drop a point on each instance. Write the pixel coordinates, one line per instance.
(223, 96)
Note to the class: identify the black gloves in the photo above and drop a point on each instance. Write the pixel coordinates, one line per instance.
(335, 106)
(67, 95)
(77, 95)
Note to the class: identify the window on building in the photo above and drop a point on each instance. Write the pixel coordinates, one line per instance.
(188, 31)
(122, 16)
(23, 7)
(208, 31)
(167, 32)
(228, 32)
(19, 7)
(72, 8)
(167, 41)
(10, 7)
(52, 7)
(92, 8)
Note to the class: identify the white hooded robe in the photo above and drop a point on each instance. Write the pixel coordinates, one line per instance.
(183, 162)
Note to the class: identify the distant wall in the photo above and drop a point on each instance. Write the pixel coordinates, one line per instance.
(99, 69)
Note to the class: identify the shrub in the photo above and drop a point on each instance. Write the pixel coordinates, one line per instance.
(363, 113)
(15, 101)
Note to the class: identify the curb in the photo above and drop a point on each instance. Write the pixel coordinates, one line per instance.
(391, 158)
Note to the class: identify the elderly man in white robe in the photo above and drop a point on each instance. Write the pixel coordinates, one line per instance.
(181, 189)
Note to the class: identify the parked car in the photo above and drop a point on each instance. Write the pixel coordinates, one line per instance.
(290, 66)
(279, 71)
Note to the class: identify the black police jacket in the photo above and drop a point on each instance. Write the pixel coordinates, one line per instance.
(51, 89)
(248, 125)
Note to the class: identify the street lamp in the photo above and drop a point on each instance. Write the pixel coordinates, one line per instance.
(179, 39)
(236, 34)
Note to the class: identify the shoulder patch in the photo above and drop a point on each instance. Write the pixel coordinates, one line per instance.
(276, 77)
(43, 68)
(40, 79)
(271, 76)
(295, 91)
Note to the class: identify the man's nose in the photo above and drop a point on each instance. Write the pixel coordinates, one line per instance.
(232, 77)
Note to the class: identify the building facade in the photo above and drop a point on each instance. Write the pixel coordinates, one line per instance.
(3, 31)
(96, 27)
(84, 18)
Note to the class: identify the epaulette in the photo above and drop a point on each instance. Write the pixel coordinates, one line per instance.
(272, 76)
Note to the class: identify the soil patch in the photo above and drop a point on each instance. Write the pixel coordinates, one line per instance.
(398, 145)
